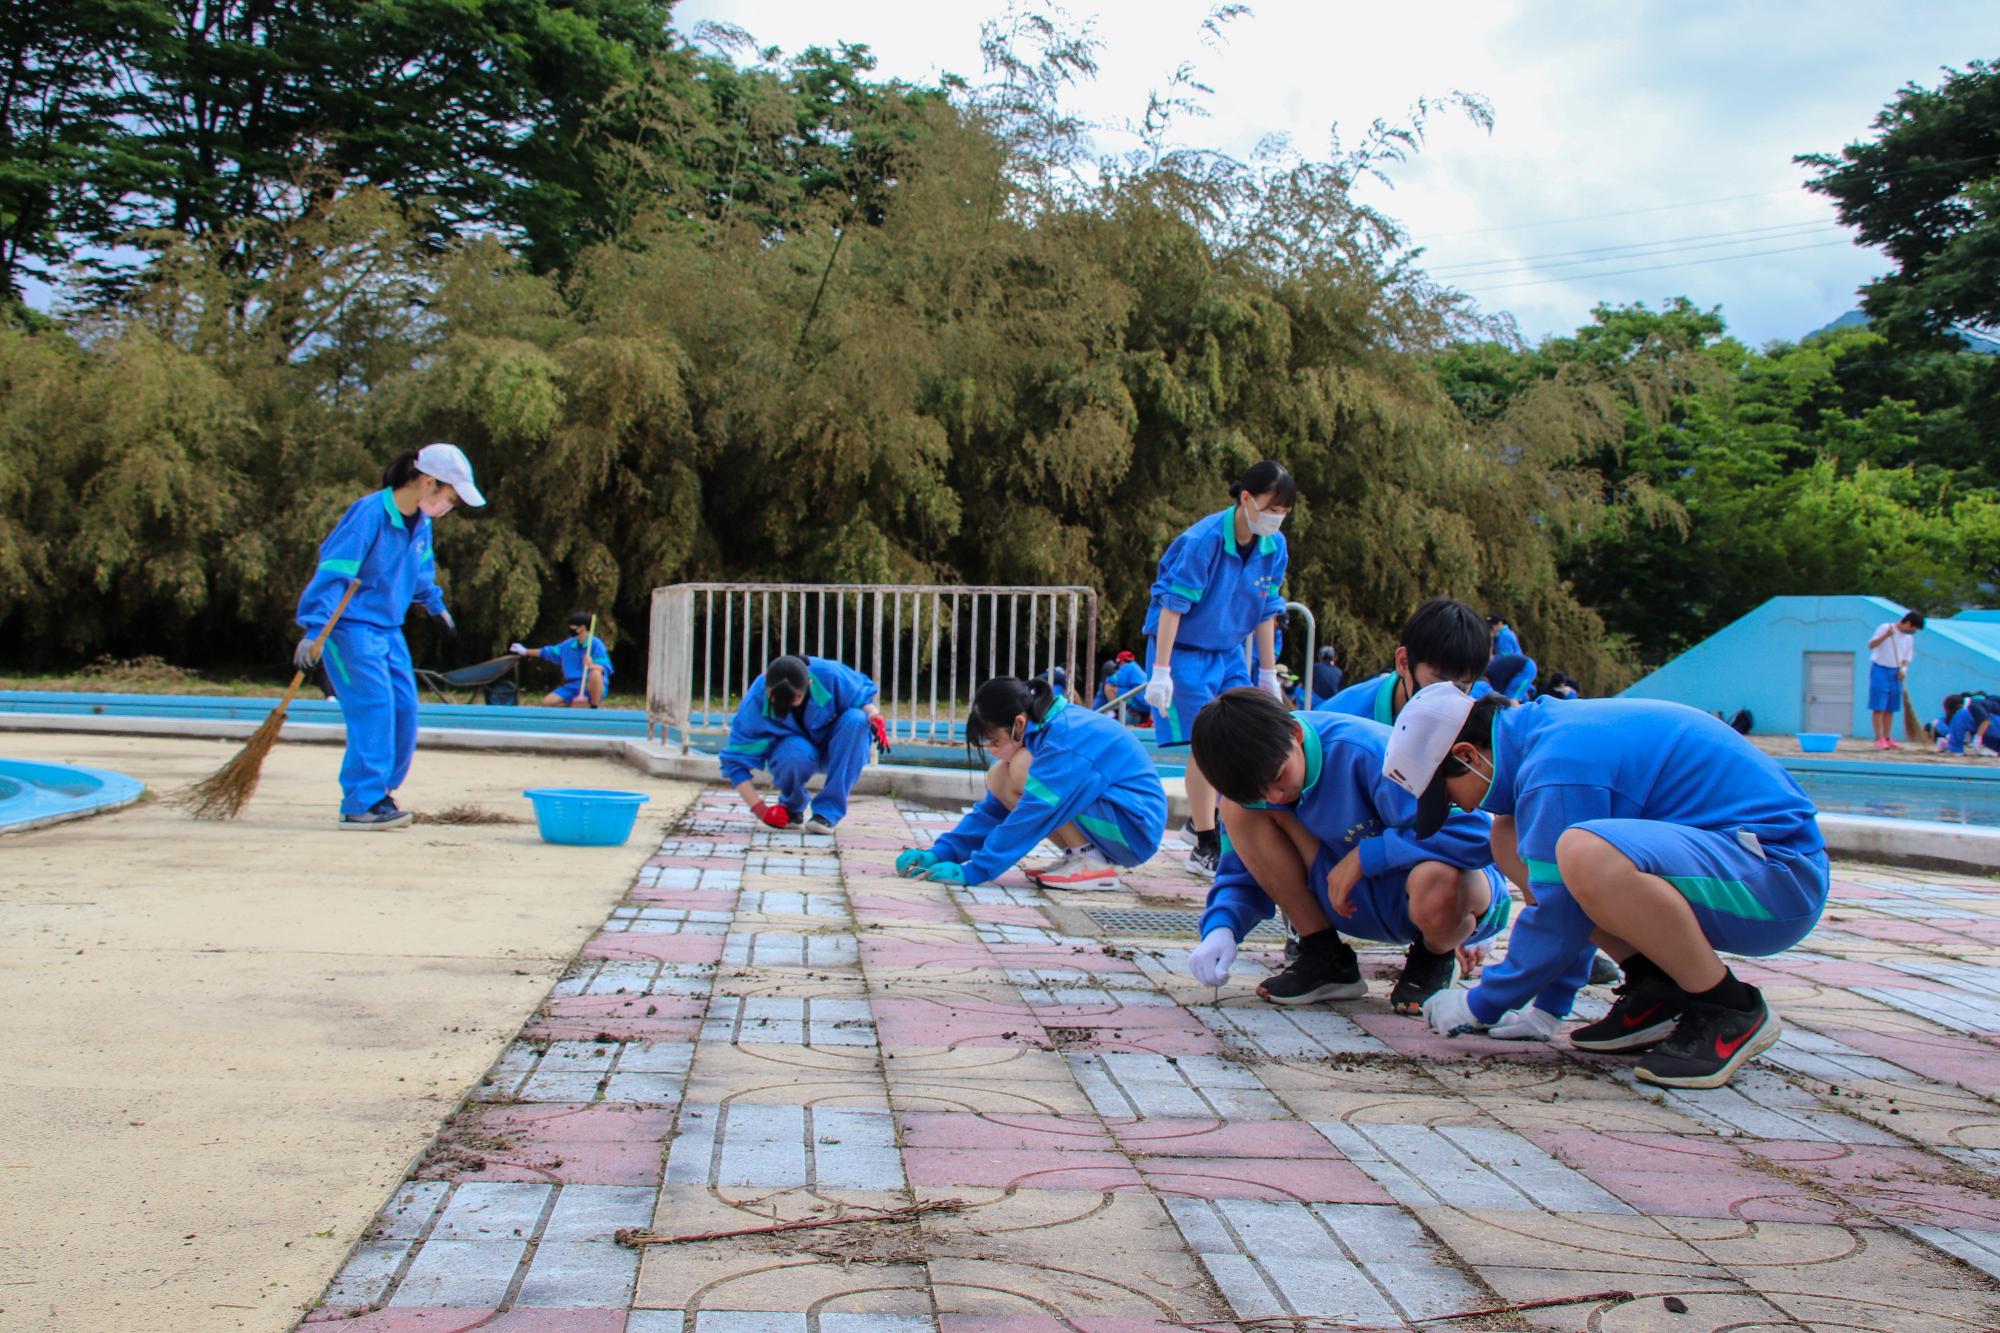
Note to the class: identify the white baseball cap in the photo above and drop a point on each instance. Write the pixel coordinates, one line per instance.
(1426, 730)
(448, 463)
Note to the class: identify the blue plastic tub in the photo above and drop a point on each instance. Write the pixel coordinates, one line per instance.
(1818, 742)
(585, 816)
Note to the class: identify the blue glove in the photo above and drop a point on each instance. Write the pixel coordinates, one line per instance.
(945, 872)
(914, 862)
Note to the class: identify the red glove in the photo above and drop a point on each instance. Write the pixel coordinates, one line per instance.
(881, 732)
(774, 815)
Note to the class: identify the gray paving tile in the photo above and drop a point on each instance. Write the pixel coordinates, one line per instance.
(461, 1272)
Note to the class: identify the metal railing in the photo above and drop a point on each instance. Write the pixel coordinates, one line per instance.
(927, 647)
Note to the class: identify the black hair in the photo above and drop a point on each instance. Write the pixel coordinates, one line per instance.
(1952, 703)
(1241, 739)
(1448, 637)
(1478, 729)
(786, 681)
(402, 470)
(1913, 618)
(999, 701)
(579, 619)
(1326, 653)
(1495, 619)
(1259, 478)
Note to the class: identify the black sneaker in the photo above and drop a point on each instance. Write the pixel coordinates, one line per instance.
(1643, 1015)
(383, 815)
(819, 823)
(1329, 972)
(1710, 1044)
(1424, 975)
(1206, 854)
(1604, 972)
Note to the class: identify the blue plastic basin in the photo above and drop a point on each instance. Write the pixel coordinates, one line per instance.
(1818, 742)
(585, 816)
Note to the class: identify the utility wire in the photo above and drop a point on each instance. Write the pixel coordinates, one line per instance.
(1655, 268)
(1773, 232)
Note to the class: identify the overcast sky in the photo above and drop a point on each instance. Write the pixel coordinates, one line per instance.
(1680, 119)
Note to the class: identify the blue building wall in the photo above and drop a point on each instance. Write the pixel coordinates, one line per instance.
(1759, 661)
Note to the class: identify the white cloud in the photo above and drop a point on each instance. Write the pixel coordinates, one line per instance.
(1600, 109)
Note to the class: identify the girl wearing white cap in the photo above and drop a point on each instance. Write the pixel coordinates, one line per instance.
(383, 544)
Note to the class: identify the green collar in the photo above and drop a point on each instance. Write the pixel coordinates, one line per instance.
(1315, 752)
(1385, 700)
(1265, 545)
(1056, 706)
(389, 503)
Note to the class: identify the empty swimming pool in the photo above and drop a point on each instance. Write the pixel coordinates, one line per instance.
(32, 795)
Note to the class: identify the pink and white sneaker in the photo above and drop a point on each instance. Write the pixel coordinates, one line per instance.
(1089, 873)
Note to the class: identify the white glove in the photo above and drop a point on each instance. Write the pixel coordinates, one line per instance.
(519, 650)
(1526, 1024)
(1449, 1012)
(1160, 690)
(1211, 960)
(306, 655)
(1267, 681)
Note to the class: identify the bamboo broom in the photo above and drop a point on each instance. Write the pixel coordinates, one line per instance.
(224, 793)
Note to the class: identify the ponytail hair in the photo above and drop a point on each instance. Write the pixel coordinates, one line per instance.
(1267, 476)
(999, 701)
(402, 470)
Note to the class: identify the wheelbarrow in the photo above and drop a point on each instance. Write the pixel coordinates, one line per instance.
(497, 682)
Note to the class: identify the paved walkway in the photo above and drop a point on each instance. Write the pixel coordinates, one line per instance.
(773, 1027)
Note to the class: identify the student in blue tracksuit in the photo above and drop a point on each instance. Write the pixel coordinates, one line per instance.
(1315, 828)
(1650, 827)
(578, 690)
(1220, 583)
(1511, 674)
(1442, 640)
(1968, 726)
(383, 542)
(1060, 772)
(804, 715)
(1505, 642)
(1129, 675)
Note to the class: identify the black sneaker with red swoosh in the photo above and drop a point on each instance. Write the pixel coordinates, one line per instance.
(1644, 1015)
(1710, 1044)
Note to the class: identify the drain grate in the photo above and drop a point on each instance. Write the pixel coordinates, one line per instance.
(1155, 922)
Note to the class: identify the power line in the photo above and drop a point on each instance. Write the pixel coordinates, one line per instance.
(1697, 203)
(1655, 268)
(1641, 249)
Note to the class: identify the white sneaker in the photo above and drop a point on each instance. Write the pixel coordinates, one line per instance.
(1061, 861)
(1088, 872)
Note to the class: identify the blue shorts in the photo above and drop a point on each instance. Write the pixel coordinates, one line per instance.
(569, 689)
(1885, 691)
(1127, 836)
(1756, 902)
(1382, 905)
(1199, 675)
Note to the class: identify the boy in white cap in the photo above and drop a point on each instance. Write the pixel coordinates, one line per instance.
(383, 543)
(1654, 830)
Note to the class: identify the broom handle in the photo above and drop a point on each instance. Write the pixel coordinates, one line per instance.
(319, 645)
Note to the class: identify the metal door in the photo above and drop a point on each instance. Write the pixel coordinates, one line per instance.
(1830, 692)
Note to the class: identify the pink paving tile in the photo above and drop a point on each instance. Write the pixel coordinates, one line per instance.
(662, 948)
(916, 1023)
(1895, 1184)
(570, 1143)
(1694, 1176)
(1897, 930)
(1946, 1057)
(869, 842)
(986, 1323)
(1082, 957)
(873, 907)
(1831, 972)
(1005, 1169)
(653, 1018)
(1311, 1181)
(1021, 1133)
(888, 951)
(733, 862)
(999, 914)
(1288, 1140)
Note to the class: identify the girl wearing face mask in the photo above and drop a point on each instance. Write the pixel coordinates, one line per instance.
(1220, 584)
(383, 544)
(1060, 772)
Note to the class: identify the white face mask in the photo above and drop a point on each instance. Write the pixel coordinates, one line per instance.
(1264, 524)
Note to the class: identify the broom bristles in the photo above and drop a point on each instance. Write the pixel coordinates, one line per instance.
(224, 793)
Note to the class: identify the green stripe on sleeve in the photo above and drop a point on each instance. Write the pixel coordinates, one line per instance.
(1729, 896)
(1545, 872)
(347, 567)
(1182, 590)
(1041, 791)
(749, 748)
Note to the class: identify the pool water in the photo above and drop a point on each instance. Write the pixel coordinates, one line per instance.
(1897, 796)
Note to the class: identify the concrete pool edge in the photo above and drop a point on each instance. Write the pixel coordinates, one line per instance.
(1905, 841)
(114, 791)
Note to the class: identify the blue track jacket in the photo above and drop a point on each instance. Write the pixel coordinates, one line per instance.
(832, 689)
(1082, 760)
(1221, 597)
(1347, 803)
(569, 656)
(1373, 698)
(1560, 763)
(376, 544)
